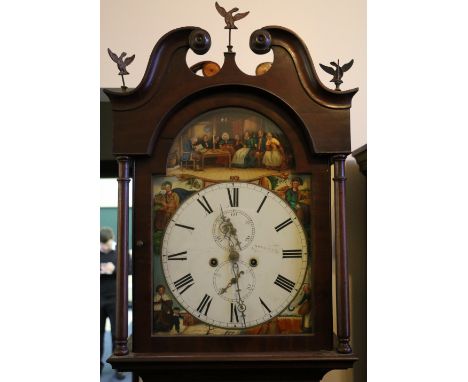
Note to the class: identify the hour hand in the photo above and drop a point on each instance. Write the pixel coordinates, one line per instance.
(232, 281)
(224, 290)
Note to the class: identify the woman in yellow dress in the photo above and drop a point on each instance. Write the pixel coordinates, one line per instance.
(274, 154)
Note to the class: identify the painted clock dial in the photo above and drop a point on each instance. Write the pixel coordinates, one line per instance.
(234, 255)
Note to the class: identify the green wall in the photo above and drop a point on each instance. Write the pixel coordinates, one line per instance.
(109, 219)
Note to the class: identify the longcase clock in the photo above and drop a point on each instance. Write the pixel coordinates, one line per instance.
(232, 259)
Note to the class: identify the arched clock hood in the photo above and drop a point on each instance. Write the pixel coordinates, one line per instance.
(291, 85)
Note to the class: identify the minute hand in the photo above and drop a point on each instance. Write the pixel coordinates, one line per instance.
(240, 302)
(232, 281)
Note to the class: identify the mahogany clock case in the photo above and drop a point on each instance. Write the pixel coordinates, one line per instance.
(315, 121)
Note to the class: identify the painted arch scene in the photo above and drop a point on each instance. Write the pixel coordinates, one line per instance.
(230, 144)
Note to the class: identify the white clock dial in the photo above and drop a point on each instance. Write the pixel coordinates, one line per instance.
(234, 255)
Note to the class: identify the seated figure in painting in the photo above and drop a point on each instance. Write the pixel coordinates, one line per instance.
(225, 144)
(216, 142)
(274, 155)
(191, 152)
(260, 145)
(225, 141)
(237, 143)
(206, 142)
(162, 310)
(197, 148)
(245, 155)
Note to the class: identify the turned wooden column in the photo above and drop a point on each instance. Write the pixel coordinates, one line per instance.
(121, 333)
(341, 251)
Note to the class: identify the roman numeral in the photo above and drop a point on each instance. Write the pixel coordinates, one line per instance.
(184, 226)
(292, 253)
(177, 256)
(261, 204)
(205, 304)
(284, 283)
(265, 306)
(287, 222)
(233, 197)
(185, 281)
(234, 315)
(206, 206)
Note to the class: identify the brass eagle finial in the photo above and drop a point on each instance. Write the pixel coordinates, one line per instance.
(229, 19)
(337, 73)
(122, 64)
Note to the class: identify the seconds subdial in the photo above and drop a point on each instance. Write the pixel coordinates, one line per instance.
(226, 236)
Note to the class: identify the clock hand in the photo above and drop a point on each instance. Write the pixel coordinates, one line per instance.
(228, 229)
(237, 240)
(225, 226)
(232, 234)
(233, 281)
(222, 212)
(240, 302)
